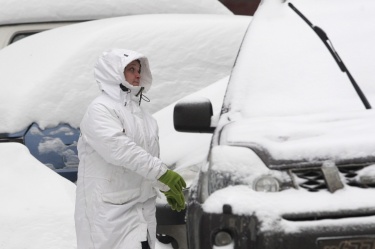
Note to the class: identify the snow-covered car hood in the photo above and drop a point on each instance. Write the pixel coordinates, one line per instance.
(306, 140)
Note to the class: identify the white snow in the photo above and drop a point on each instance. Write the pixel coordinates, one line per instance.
(37, 204)
(186, 53)
(290, 100)
(300, 105)
(286, 78)
(302, 92)
(56, 78)
(30, 11)
(37, 207)
(340, 136)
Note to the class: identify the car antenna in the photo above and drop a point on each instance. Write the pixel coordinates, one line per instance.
(335, 55)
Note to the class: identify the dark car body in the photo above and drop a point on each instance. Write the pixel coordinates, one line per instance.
(291, 163)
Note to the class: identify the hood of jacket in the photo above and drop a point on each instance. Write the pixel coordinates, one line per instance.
(109, 72)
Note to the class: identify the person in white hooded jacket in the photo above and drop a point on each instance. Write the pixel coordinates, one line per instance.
(120, 172)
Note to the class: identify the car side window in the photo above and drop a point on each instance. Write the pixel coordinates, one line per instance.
(20, 36)
(55, 147)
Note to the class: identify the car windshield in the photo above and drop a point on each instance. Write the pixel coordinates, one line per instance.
(20, 36)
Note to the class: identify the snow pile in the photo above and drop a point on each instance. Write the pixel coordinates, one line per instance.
(30, 11)
(38, 204)
(52, 72)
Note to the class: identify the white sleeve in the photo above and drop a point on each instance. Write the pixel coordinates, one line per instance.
(103, 132)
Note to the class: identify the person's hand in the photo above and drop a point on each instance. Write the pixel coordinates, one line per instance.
(174, 195)
(176, 202)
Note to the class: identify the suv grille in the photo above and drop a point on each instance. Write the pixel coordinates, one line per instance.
(312, 179)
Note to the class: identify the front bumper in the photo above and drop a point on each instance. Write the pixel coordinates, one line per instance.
(247, 232)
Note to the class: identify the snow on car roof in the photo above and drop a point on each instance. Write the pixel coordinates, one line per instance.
(12, 12)
(48, 77)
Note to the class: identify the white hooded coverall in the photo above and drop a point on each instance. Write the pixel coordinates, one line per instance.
(119, 165)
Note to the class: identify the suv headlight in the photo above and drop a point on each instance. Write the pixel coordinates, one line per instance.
(266, 184)
(235, 165)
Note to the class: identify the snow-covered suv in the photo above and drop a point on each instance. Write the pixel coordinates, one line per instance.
(292, 159)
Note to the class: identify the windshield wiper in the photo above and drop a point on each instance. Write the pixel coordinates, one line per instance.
(323, 36)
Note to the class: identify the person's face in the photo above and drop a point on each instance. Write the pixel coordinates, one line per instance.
(132, 73)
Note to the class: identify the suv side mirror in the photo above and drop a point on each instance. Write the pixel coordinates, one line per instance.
(193, 116)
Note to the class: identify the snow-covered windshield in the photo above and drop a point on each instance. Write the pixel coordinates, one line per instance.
(298, 104)
(285, 69)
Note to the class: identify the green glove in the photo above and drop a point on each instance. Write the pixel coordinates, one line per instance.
(171, 199)
(174, 195)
